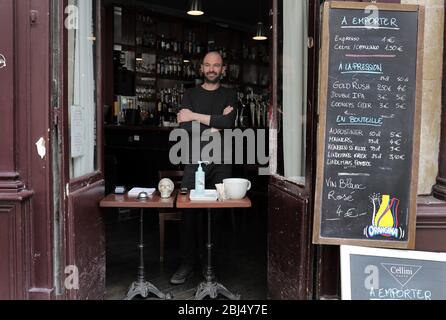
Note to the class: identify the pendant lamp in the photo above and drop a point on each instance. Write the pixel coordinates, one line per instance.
(195, 8)
(260, 34)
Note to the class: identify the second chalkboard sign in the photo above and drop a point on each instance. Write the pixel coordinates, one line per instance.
(384, 274)
(369, 125)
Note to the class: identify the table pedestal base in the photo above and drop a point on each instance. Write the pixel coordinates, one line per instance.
(213, 289)
(143, 289)
(141, 286)
(210, 287)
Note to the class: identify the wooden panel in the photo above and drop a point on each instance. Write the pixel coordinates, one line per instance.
(86, 242)
(6, 248)
(328, 273)
(7, 85)
(13, 267)
(289, 249)
(431, 225)
(32, 123)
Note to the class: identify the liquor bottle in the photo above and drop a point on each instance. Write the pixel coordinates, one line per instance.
(116, 112)
(223, 53)
(242, 112)
(160, 110)
(162, 43)
(165, 112)
(259, 113)
(170, 110)
(186, 47)
(191, 44)
(152, 40)
(159, 67)
(252, 108)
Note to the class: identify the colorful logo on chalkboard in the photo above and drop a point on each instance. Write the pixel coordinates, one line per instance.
(385, 218)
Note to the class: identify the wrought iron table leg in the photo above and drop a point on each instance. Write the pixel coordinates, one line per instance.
(210, 287)
(141, 286)
(144, 289)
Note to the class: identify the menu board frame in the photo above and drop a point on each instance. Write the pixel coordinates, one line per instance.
(341, 239)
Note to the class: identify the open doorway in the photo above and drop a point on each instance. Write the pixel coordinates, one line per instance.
(149, 54)
(153, 52)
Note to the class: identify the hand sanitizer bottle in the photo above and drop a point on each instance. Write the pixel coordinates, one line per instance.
(200, 179)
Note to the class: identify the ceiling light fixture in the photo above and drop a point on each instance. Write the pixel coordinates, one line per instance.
(196, 8)
(260, 34)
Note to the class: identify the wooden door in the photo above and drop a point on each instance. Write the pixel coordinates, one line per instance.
(79, 233)
(296, 268)
(290, 252)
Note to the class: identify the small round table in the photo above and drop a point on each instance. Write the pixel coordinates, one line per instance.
(210, 286)
(141, 286)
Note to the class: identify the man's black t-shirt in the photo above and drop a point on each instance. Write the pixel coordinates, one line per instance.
(211, 103)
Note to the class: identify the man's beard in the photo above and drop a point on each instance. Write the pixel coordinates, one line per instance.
(212, 81)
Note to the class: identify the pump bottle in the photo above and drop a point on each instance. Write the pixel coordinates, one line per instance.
(200, 179)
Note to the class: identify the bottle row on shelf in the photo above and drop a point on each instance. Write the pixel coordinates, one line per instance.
(190, 47)
(252, 109)
(176, 67)
(193, 48)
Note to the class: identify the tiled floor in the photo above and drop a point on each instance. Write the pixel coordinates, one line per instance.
(240, 255)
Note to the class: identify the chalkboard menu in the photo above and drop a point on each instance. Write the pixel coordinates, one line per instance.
(369, 124)
(384, 274)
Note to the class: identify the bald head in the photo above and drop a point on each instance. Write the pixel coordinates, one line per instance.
(212, 67)
(213, 56)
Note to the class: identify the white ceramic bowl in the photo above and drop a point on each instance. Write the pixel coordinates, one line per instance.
(236, 189)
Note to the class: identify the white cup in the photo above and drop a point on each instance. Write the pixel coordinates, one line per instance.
(236, 189)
